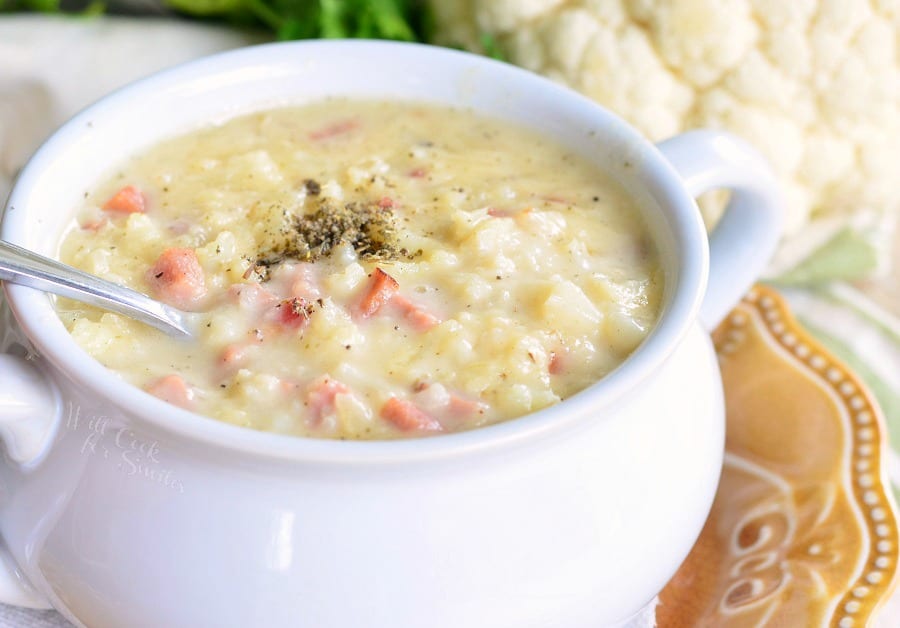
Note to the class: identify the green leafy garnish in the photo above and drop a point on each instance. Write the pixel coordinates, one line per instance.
(83, 8)
(45, 6)
(401, 20)
(491, 47)
(309, 19)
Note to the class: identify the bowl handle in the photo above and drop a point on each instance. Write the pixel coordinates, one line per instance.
(15, 590)
(29, 409)
(742, 243)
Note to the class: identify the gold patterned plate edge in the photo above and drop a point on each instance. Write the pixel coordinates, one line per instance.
(696, 593)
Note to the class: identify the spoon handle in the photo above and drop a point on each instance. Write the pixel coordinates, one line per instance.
(27, 268)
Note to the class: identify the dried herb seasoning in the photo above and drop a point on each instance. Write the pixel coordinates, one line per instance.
(369, 227)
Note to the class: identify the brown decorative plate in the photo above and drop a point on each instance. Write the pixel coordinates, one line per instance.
(803, 531)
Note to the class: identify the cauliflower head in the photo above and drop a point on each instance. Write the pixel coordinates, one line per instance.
(814, 84)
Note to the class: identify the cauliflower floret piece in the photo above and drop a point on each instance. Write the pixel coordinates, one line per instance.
(569, 310)
(256, 164)
(702, 38)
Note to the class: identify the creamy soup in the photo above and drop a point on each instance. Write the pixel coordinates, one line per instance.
(366, 270)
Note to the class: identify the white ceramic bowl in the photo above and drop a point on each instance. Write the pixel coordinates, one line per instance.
(121, 510)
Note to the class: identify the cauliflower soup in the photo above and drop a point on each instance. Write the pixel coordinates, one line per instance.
(366, 270)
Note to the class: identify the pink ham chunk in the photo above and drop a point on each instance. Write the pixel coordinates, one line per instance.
(128, 200)
(450, 407)
(461, 407)
(94, 225)
(293, 313)
(320, 396)
(380, 291)
(383, 290)
(498, 212)
(173, 389)
(333, 130)
(414, 314)
(408, 417)
(556, 198)
(237, 354)
(557, 363)
(177, 278)
(233, 357)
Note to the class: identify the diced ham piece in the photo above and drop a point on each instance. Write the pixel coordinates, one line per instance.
(496, 212)
(320, 396)
(417, 173)
(384, 290)
(173, 389)
(128, 200)
(233, 355)
(386, 202)
(95, 224)
(236, 355)
(177, 278)
(448, 406)
(293, 313)
(417, 316)
(406, 416)
(334, 129)
(556, 364)
(381, 289)
(462, 407)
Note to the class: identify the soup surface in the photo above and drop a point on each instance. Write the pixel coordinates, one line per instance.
(366, 270)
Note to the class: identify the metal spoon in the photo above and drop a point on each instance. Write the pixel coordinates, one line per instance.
(24, 267)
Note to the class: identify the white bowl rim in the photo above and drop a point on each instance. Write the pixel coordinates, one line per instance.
(679, 314)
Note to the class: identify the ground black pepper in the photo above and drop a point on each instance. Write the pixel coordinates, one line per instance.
(368, 227)
(312, 187)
